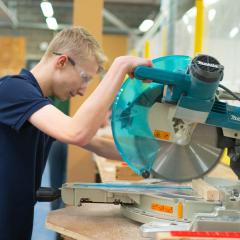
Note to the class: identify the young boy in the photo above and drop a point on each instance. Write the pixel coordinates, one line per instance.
(29, 123)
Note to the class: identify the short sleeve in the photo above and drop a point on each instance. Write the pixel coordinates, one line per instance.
(19, 99)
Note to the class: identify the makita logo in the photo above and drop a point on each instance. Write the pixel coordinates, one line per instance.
(207, 64)
(235, 118)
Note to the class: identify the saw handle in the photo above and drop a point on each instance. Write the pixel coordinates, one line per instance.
(178, 80)
(159, 75)
(47, 194)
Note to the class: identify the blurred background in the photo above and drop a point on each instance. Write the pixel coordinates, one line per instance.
(148, 28)
(172, 23)
(168, 27)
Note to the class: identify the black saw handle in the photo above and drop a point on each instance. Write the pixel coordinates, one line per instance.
(47, 194)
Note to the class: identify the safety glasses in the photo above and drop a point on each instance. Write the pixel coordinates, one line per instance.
(83, 75)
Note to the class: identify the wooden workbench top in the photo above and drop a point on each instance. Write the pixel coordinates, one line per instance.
(93, 221)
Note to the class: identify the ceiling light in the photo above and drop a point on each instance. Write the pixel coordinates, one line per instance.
(43, 46)
(192, 12)
(146, 25)
(233, 32)
(52, 23)
(47, 9)
(211, 14)
(185, 19)
(189, 28)
(209, 2)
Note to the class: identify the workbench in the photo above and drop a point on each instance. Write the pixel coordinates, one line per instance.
(93, 221)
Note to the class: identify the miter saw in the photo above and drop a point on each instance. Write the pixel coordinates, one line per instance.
(173, 129)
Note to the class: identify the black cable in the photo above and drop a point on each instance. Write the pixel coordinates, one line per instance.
(229, 91)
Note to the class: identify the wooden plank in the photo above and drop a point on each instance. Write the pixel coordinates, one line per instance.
(209, 192)
(126, 173)
(205, 190)
(107, 168)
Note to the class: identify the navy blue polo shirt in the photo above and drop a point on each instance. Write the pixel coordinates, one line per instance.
(23, 154)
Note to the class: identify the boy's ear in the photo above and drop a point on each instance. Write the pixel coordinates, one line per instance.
(62, 61)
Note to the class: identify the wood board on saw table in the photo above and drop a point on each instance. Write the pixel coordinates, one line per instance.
(93, 221)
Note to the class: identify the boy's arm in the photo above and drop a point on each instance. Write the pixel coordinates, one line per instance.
(80, 128)
(103, 147)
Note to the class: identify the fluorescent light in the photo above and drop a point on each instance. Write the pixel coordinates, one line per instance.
(43, 46)
(185, 19)
(189, 28)
(233, 32)
(192, 12)
(52, 23)
(146, 25)
(47, 9)
(211, 14)
(209, 2)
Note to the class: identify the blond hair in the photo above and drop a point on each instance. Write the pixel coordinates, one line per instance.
(78, 43)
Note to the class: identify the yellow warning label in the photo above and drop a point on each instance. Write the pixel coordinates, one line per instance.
(162, 208)
(161, 134)
(180, 210)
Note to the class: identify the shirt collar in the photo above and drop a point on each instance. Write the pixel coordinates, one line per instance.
(27, 74)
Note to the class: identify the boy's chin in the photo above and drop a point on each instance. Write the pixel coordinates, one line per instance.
(63, 98)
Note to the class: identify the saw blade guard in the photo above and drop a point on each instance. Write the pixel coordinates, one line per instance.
(132, 135)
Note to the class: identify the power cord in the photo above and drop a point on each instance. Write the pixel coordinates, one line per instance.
(229, 92)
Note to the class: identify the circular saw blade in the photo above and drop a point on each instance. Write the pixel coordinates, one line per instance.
(183, 163)
(134, 139)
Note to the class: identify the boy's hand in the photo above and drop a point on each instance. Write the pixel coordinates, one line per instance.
(129, 63)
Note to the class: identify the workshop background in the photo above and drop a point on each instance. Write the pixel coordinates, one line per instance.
(149, 28)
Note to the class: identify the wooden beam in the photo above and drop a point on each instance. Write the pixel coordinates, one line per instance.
(205, 190)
